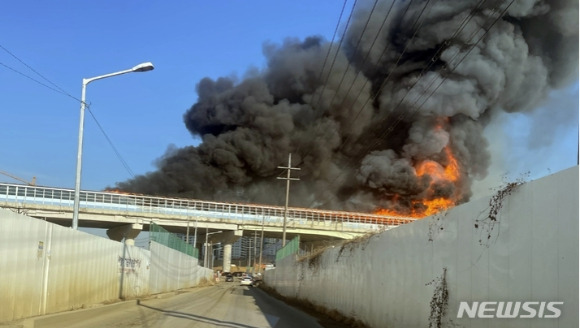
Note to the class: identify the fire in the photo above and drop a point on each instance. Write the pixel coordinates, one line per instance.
(437, 173)
(452, 169)
(118, 191)
(437, 205)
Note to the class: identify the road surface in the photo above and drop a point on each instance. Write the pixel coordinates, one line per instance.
(226, 304)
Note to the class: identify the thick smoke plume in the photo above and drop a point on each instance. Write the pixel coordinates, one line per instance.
(389, 116)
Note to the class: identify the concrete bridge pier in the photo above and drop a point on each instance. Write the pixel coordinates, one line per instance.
(128, 232)
(227, 239)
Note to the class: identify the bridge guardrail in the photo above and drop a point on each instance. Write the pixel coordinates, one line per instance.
(180, 206)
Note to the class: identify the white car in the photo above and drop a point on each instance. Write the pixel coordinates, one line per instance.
(247, 281)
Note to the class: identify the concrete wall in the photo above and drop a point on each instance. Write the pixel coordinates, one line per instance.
(47, 268)
(416, 275)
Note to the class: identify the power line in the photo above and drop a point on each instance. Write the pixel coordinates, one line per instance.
(354, 51)
(385, 49)
(60, 90)
(385, 132)
(366, 59)
(303, 157)
(382, 54)
(123, 162)
(401, 117)
(333, 37)
(335, 55)
(37, 81)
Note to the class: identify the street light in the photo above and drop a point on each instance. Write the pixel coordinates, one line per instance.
(144, 67)
(213, 255)
(205, 260)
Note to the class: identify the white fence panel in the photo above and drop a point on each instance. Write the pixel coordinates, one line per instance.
(21, 265)
(172, 270)
(46, 268)
(529, 253)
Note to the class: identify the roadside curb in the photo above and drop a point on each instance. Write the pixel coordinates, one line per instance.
(64, 318)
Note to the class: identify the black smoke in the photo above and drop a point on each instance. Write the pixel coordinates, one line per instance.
(361, 114)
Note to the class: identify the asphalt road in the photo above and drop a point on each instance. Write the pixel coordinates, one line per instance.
(223, 305)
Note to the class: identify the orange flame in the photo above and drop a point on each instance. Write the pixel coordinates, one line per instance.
(426, 207)
(452, 169)
(118, 191)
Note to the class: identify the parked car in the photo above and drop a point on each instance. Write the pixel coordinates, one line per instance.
(247, 281)
(229, 278)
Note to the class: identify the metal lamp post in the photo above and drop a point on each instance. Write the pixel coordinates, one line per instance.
(205, 260)
(144, 67)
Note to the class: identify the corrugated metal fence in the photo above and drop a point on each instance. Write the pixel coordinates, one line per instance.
(47, 268)
(521, 248)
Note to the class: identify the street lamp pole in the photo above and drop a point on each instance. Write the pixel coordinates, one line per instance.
(144, 67)
(205, 259)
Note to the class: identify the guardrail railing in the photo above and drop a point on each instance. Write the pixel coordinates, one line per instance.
(25, 194)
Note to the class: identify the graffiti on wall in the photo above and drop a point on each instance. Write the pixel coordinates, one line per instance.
(128, 265)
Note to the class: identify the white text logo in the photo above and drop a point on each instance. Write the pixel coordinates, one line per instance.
(490, 310)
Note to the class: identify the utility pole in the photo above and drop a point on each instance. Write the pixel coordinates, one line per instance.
(195, 237)
(261, 245)
(249, 253)
(205, 262)
(255, 242)
(287, 178)
(187, 233)
(212, 254)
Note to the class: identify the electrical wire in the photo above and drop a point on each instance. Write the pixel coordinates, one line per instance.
(333, 37)
(401, 117)
(335, 55)
(328, 55)
(382, 54)
(366, 59)
(60, 90)
(123, 162)
(354, 51)
(303, 157)
(37, 81)
(385, 132)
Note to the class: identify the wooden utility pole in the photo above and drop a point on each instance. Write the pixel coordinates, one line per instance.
(287, 178)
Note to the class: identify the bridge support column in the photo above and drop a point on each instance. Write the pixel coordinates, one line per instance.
(127, 232)
(228, 238)
(227, 266)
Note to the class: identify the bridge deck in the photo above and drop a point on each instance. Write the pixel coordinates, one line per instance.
(34, 197)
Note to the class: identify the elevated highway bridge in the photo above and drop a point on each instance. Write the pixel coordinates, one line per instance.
(125, 215)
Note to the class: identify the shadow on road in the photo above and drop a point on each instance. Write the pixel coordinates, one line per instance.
(194, 317)
(265, 297)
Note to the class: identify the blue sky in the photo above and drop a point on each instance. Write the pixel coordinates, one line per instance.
(141, 113)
